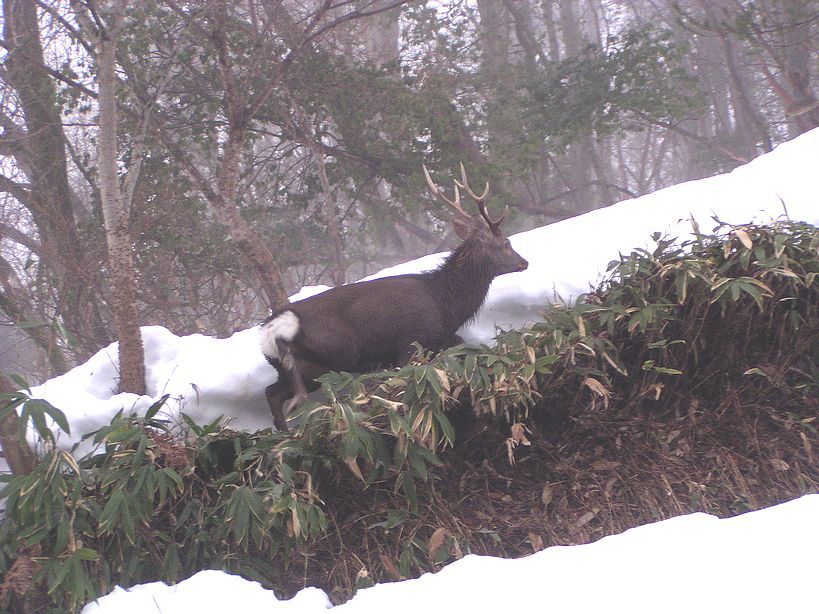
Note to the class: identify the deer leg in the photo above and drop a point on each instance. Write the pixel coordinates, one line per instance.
(296, 380)
(302, 379)
(276, 395)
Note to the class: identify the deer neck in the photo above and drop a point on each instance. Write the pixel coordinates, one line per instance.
(463, 281)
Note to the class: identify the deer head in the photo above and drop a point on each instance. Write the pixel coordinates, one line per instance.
(483, 235)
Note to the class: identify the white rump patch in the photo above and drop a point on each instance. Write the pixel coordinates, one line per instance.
(284, 326)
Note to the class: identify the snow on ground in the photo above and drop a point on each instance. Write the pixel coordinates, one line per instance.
(208, 377)
(762, 561)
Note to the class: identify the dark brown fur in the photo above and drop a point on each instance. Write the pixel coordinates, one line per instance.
(361, 327)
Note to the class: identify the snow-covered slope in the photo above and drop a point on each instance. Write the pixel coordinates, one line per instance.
(208, 377)
(760, 562)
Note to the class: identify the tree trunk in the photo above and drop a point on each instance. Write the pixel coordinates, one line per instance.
(249, 243)
(576, 165)
(239, 112)
(117, 232)
(799, 46)
(18, 455)
(382, 36)
(49, 197)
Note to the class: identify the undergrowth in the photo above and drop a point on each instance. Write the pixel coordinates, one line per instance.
(687, 381)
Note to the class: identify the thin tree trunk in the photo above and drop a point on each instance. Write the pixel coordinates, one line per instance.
(117, 232)
(228, 214)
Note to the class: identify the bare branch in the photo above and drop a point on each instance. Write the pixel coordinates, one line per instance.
(22, 238)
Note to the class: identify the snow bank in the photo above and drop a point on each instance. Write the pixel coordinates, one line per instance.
(763, 561)
(208, 377)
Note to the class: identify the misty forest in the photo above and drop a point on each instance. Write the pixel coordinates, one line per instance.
(191, 164)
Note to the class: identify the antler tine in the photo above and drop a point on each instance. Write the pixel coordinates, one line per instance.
(464, 184)
(452, 204)
(494, 225)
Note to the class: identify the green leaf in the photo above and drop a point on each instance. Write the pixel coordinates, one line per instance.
(112, 511)
(156, 406)
(86, 554)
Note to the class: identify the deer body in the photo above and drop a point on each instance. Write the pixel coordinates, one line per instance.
(372, 324)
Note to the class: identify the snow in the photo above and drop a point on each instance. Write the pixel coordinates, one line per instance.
(208, 377)
(763, 561)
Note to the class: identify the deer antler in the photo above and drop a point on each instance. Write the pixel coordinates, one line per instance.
(462, 221)
(494, 225)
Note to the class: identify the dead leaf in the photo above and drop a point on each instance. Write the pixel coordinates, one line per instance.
(353, 465)
(779, 464)
(536, 541)
(604, 465)
(744, 238)
(390, 566)
(656, 389)
(585, 518)
(510, 450)
(439, 535)
(597, 387)
(519, 434)
(808, 447)
(444, 378)
(296, 523)
(547, 495)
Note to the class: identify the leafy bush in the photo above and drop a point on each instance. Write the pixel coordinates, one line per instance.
(160, 501)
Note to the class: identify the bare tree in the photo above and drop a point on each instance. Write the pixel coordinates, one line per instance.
(37, 145)
(114, 208)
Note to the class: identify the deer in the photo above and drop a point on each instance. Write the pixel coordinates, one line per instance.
(370, 325)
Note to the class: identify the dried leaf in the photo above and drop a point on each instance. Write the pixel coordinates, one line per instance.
(390, 566)
(808, 448)
(444, 378)
(519, 434)
(353, 465)
(536, 541)
(779, 464)
(604, 465)
(296, 523)
(744, 238)
(437, 539)
(585, 518)
(547, 495)
(510, 450)
(599, 389)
